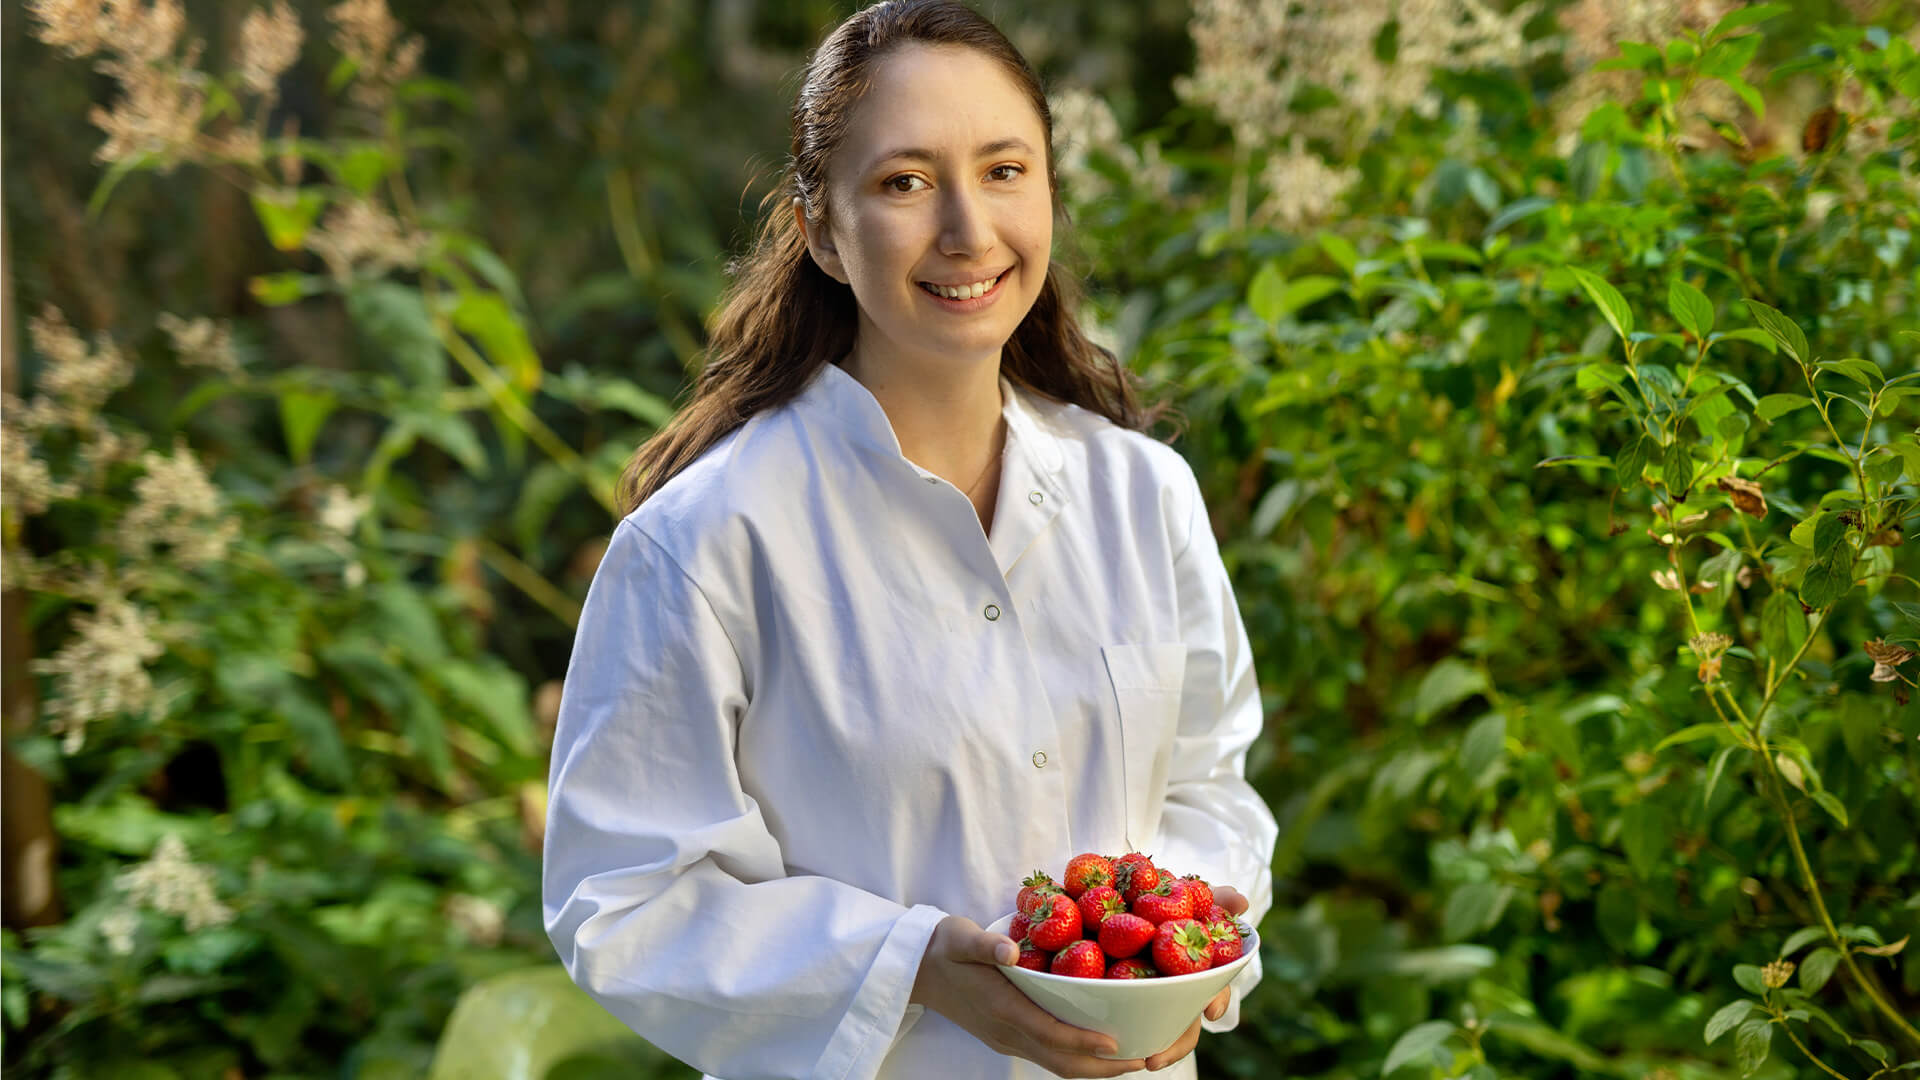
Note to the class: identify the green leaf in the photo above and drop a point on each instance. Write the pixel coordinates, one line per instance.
(1693, 733)
(454, 434)
(363, 166)
(546, 485)
(1781, 329)
(1265, 293)
(1886, 468)
(1647, 834)
(395, 317)
(1818, 968)
(1909, 451)
(1690, 308)
(1865, 372)
(497, 695)
(545, 1025)
(1305, 291)
(1608, 299)
(1829, 532)
(488, 320)
(286, 287)
(1340, 250)
(1800, 939)
(1876, 1051)
(1631, 462)
(1483, 747)
(1746, 16)
(287, 215)
(1774, 406)
(1832, 806)
(1783, 626)
(1748, 976)
(1617, 913)
(1445, 685)
(1751, 1044)
(1473, 908)
(1517, 210)
(1417, 1045)
(1676, 469)
(1726, 1018)
(1827, 580)
(1713, 772)
(302, 413)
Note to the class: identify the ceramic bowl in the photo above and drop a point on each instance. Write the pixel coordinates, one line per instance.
(1144, 1016)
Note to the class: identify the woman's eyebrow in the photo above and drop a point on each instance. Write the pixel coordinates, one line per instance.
(915, 153)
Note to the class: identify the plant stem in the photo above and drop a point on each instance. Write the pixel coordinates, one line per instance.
(1788, 1028)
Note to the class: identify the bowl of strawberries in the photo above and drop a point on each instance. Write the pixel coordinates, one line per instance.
(1123, 947)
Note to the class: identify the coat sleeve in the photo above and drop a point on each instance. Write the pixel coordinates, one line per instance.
(1214, 823)
(663, 891)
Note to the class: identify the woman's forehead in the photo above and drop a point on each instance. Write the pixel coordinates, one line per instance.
(941, 103)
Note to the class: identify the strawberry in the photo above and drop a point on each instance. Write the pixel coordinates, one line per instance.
(1017, 930)
(1056, 921)
(1032, 959)
(1082, 960)
(1133, 874)
(1034, 885)
(1124, 934)
(1096, 904)
(1215, 914)
(1162, 904)
(1202, 894)
(1086, 871)
(1132, 968)
(1228, 942)
(1182, 947)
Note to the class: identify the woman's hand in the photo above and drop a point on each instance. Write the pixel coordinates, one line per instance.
(960, 979)
(1229, 898)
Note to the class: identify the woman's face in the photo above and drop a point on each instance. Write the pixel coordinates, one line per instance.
(939, 213)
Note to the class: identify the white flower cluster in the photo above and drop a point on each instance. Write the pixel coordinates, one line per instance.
(1253, 57)
(360, 235)
(171, 883)
(177, 507)
(1084, 125)
(201, 342)
(101, 672)
(1301, 189)
(479, 920)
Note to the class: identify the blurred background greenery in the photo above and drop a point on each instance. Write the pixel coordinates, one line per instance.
(328, 329)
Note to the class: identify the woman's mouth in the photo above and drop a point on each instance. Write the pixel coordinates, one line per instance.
(965, 297)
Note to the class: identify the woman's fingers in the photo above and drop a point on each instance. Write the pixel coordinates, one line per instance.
(1229, 897)
(1181, 1047)
(1218, 1006)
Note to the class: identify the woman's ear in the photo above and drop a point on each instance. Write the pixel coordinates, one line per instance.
(819, 244)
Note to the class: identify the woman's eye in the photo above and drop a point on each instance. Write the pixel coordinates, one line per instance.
(1009, 171)
(903, 182)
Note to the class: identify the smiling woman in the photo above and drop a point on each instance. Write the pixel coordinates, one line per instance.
(905, 604)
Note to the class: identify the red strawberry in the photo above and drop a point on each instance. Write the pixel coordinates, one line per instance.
(1132, 968)
(1228, 942)
(1215, 914)
(1182, 947)
(1133, 874)
(1032, 886)
(1123, 935)
(1017, 930)
(1082, 960)
(1096, 904)
(1162, 904)
(1056, 921)
(1086, 871)
(1033, 959)
(1202, 894)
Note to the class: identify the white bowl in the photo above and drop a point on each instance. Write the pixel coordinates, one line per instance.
(1144, 1016)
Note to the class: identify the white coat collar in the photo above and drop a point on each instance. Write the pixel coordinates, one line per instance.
(857, 413)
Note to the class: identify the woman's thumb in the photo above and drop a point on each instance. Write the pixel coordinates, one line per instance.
(998, 949)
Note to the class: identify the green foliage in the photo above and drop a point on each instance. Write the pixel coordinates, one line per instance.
(1563, 486)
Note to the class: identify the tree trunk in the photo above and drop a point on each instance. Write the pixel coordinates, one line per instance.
(28, 844)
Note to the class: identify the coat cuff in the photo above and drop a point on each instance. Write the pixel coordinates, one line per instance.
(872, 1024)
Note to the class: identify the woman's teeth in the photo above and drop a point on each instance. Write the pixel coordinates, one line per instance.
(962, 292)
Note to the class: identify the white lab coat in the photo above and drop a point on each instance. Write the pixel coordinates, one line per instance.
(813, 709)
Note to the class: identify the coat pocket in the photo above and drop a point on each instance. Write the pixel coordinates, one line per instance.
(1146, 688)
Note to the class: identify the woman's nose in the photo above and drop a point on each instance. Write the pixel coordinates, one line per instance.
(964, 227)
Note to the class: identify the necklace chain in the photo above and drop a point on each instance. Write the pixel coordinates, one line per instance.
(991, 459)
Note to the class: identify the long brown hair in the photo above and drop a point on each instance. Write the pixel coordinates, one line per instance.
(783, 317)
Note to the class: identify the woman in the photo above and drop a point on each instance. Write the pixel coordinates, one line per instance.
(905, 606)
